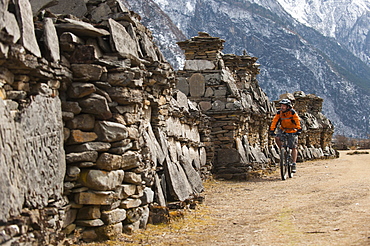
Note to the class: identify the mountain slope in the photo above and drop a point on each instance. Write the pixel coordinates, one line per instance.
(346, 21)
(165, 32)
(292, 56)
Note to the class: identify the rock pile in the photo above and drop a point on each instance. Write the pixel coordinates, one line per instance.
(99, 86)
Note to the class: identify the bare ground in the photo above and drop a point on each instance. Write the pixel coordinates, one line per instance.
(326, 203)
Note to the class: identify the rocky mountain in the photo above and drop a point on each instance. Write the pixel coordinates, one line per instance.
(298, 46)
(345, 21)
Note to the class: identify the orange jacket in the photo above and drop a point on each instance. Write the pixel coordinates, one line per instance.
(289, 121)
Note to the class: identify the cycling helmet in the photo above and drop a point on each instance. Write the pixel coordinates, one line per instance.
(286, 102)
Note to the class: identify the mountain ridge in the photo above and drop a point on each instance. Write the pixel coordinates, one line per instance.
(293, 57)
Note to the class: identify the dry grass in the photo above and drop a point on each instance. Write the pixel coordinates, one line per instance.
(185, 228)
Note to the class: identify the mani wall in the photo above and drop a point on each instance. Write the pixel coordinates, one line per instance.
(98, 131)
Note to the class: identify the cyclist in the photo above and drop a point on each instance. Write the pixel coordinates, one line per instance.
(289, 123)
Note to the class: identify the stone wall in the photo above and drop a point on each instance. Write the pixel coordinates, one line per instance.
(225, 88)
(97, 129)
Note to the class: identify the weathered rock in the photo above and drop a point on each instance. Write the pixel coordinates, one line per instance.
(130, 160)
(69, 217)
(89, 213)
(81, 28)
(126, 190)
(147, 47)
(121, 79)
(123, 95)
(199, 65)
(69, 229)
(90, 223)
(87, 72)
(79, 90)
(96, 105)
(24, 140)
(78, 137)
(160, 198)
(90, 146)
(90, 198)
(6, 77)
(121, 150)
(193, 176)
(148, 196)
(113, 216)
(157, 154)
(84, 122)
(107, 161)
(122, 41)
(73, 172)
(9, 23)
(82, 156)
(51, 40)
(28, 37)
(110, 131)
(82, 54)
(101, 12)
(71, 107)
(197, 85)
(179, 186)
(132, 178)
(69, 39)
(101, 180)
(144, 217)
(183, 85)
(130, 203)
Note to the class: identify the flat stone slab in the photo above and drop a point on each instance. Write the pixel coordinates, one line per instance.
(28, 36)
(81, 28)
(122, 40)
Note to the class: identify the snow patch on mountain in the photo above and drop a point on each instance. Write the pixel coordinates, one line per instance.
(326, 16)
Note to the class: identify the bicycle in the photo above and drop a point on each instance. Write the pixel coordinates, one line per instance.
(285, 157)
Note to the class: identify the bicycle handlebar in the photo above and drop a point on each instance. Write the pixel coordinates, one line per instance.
(289, 133)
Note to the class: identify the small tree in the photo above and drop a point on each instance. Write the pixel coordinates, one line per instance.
(341, 142)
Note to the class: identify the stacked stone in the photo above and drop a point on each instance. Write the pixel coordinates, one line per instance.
(202, 47)
(225, 88)
(315, 141)
(130, 139)
(126, 135)
(32, 159)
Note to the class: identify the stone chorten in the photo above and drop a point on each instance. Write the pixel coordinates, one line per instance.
(226, 89)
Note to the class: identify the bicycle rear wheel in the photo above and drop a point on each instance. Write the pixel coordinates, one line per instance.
(283, 164)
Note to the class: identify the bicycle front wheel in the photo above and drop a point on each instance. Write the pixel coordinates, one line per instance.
(290, 167)
(289, 164)
(283, 164)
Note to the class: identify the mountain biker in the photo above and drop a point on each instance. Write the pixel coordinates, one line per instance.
(289, 123)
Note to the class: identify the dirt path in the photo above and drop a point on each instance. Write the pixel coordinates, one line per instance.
(326, 203)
